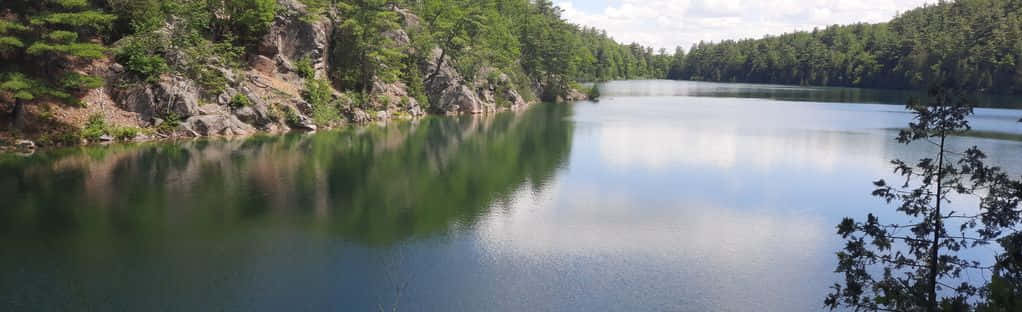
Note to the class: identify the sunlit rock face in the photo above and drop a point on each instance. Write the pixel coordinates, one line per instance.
(293, 37)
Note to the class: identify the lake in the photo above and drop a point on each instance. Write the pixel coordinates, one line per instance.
(663, 196)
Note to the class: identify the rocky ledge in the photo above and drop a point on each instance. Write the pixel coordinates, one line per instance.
(272, 86)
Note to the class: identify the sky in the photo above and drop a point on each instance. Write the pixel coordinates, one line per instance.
(671, 23)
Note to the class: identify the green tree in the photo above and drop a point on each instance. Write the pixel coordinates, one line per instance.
(246, 19)
(38, 40)
(972, 39)
(453, 25)
(915, 266)
(370, 54)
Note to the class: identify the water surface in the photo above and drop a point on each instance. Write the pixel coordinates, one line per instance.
(660, 197)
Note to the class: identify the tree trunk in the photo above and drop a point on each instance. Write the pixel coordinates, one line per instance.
(366, 80)
(937, 227)
(18, 115)
(439, 63)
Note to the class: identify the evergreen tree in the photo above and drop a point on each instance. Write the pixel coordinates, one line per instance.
(38, 42)
(370, 53)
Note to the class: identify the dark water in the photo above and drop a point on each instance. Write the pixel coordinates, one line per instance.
(658, 198)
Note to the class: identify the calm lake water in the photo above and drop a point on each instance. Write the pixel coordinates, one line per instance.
(664, 196)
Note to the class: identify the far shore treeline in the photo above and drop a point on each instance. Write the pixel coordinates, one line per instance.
(979, 40)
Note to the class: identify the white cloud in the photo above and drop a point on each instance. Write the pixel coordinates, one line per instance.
(671, 23)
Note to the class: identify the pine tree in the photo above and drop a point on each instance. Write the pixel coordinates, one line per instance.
(371, 54)
(37, 39)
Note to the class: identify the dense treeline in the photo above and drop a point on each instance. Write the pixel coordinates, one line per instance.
(44, 44)
(975, 41)
(601, 58)
(523, 36)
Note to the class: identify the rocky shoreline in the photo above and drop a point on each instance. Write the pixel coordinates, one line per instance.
(266, 95)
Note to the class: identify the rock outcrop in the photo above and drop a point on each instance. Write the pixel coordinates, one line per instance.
(293, 37)
(216, 125)
(574, 95)
(450, 93)
(271, 86)
(496, 87)
(171, 95)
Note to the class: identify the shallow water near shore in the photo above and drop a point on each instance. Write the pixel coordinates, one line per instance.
(679, 196)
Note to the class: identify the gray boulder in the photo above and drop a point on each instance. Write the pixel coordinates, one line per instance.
(247, 115)
(448, 91)
(171, 95)
(360, 116)
(495, 87)
(216, 125)
(258, 113)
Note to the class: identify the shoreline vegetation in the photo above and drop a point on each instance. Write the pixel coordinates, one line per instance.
(77, 71)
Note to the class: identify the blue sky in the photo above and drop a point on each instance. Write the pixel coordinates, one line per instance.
(671, 23)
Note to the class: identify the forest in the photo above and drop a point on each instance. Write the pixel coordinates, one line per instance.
(975, 41)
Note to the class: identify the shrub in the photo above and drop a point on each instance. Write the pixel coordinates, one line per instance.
(319, 94)
(95, 128)
(76, 81)
(170, 123)
(594, 93)
(139, 55)
(304, 68)
(251, 18)
(125, 133)
(239, 101)
(60, 139)
(291, 116)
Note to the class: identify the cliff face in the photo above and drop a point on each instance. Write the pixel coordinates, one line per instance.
(272, 84)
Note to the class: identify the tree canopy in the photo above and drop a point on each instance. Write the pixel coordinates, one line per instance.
(976, 39)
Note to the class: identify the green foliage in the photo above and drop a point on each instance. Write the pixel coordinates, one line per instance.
(248, 19)
(76, 81)
(19, 86)
(355, 99)
(62, 36)
(925, 252)
(976, 41)
(125, 133)
(83, 50)
(593, 93)
(93, 20)
(320, 96)
(7, 26)
(34, 39)
(304, 68)
(370, 55)
(60, 139)
(170, 123)
(316, 9)
(239, 101)
(140, 55)
(10, 43)
(291, 116)
(94, 128)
